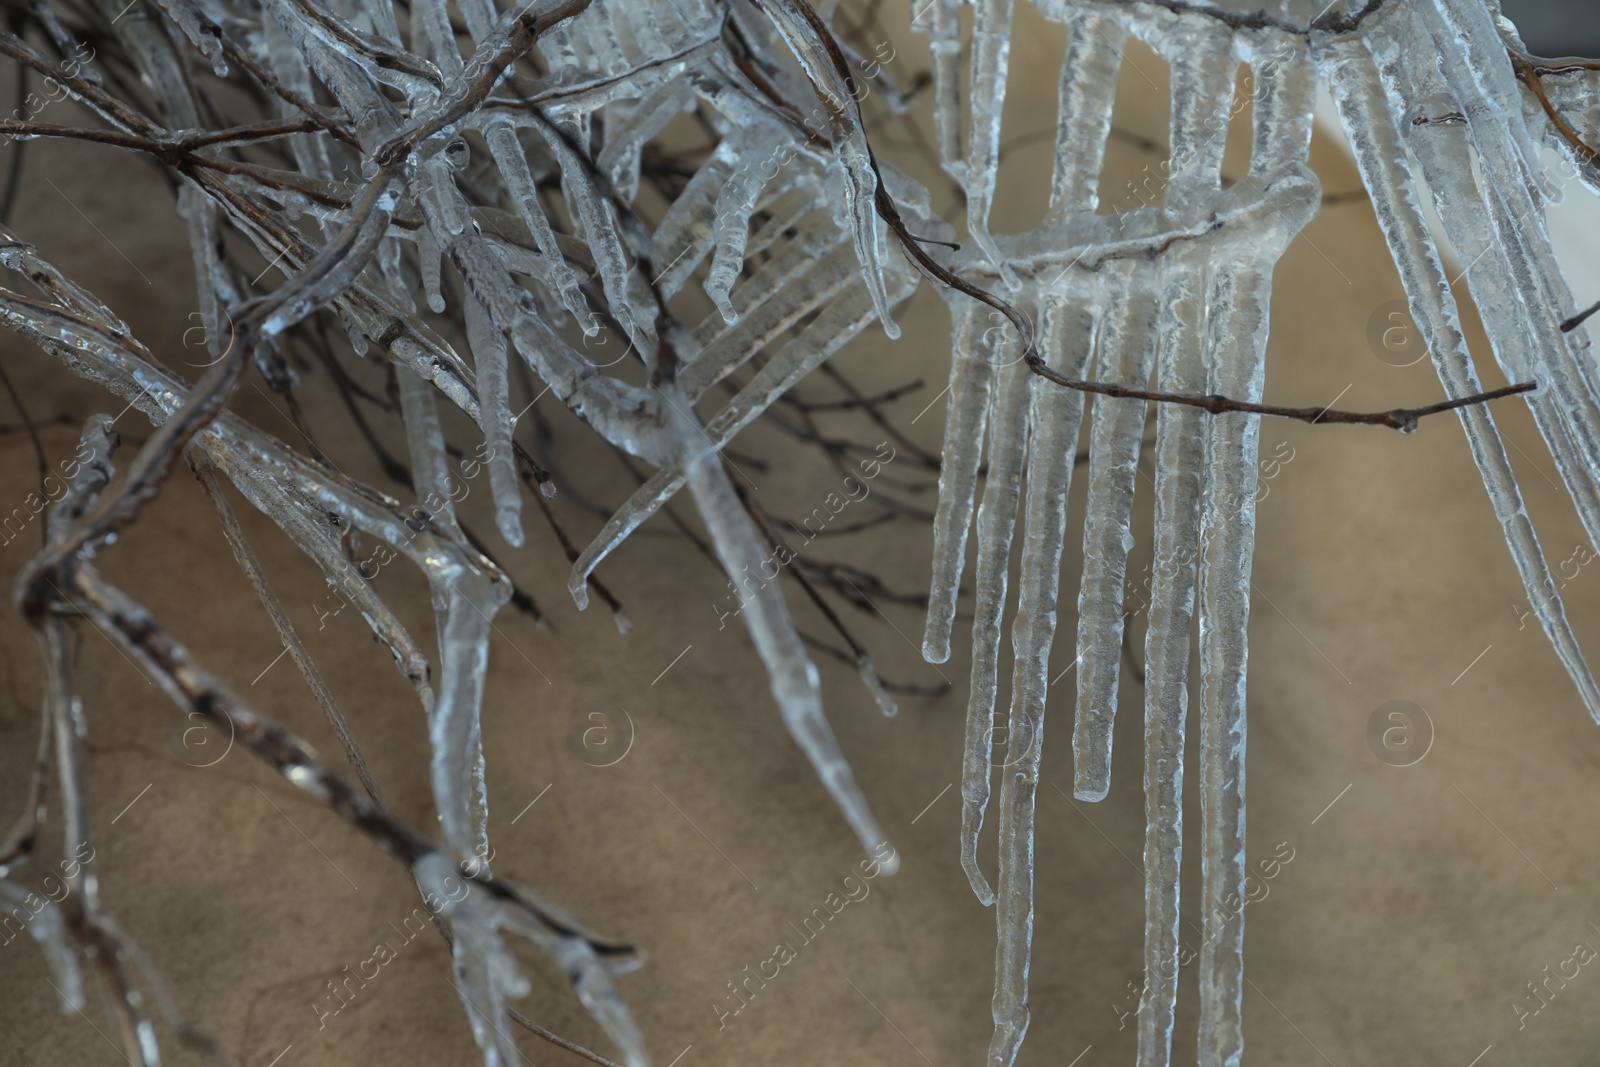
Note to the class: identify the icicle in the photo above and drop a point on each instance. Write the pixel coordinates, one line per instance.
(200, 214)
(991, 54)
(390, 259)
(447, 211)
(781, 217)
(795, 683)
(1237, 300)
(1180, 435)
(852, 155)
(47, 928)
(479, 15)
(310, 152)
(1236, 333)
(735, 203)
(1446, 163)
(601, 35)
(513, 166)
(1067, 329)
(1127, 353)
(597, 226)
(372, 113)
(494, 407)
(1202, 73)
(874, 684)
(647, 32)
(200, 30)
(800, 356)
(433, 19)
(1518, 219)
(417, 79)
(429, 463)
(1471, 53)
(631, 131)
(428, 261)
(1088, 90)
(1517, 213)
(620, 411)
(941, 21)
(459, 788)
(1375, 140)
(685, 236)
(384, 24)
(971, 378)
(787, 287)
(997, 519)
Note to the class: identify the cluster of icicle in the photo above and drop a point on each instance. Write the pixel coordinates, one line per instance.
(1180, 290)
(781, 230)
(787, 292)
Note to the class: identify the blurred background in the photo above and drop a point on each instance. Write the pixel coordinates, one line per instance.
(1554, 28)
(1435, 877)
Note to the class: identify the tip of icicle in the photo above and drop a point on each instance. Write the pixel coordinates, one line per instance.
(892, 863)
(874, 684)
(891, 329)
(1092, 792)
(580, 594)
(547, 488)
(935, 649)
(623, 625)
(984, 894)
(510, 523)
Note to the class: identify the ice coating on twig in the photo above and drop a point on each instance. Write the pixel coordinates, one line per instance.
(46, 927)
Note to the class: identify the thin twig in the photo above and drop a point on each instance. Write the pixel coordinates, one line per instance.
(1402, 419)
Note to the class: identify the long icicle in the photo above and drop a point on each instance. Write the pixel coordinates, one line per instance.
(796, 685)
(1087, 91)
(997, 520)
(1238, 298)
(1443, 153)
(1126, 355)
(1202, 73)
(1364, 108)
(967, 413)
(991, 54)
(1055, 416)
(1180, 434)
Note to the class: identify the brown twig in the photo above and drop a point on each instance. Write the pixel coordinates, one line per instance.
(1402, 419)
(1528, 71)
